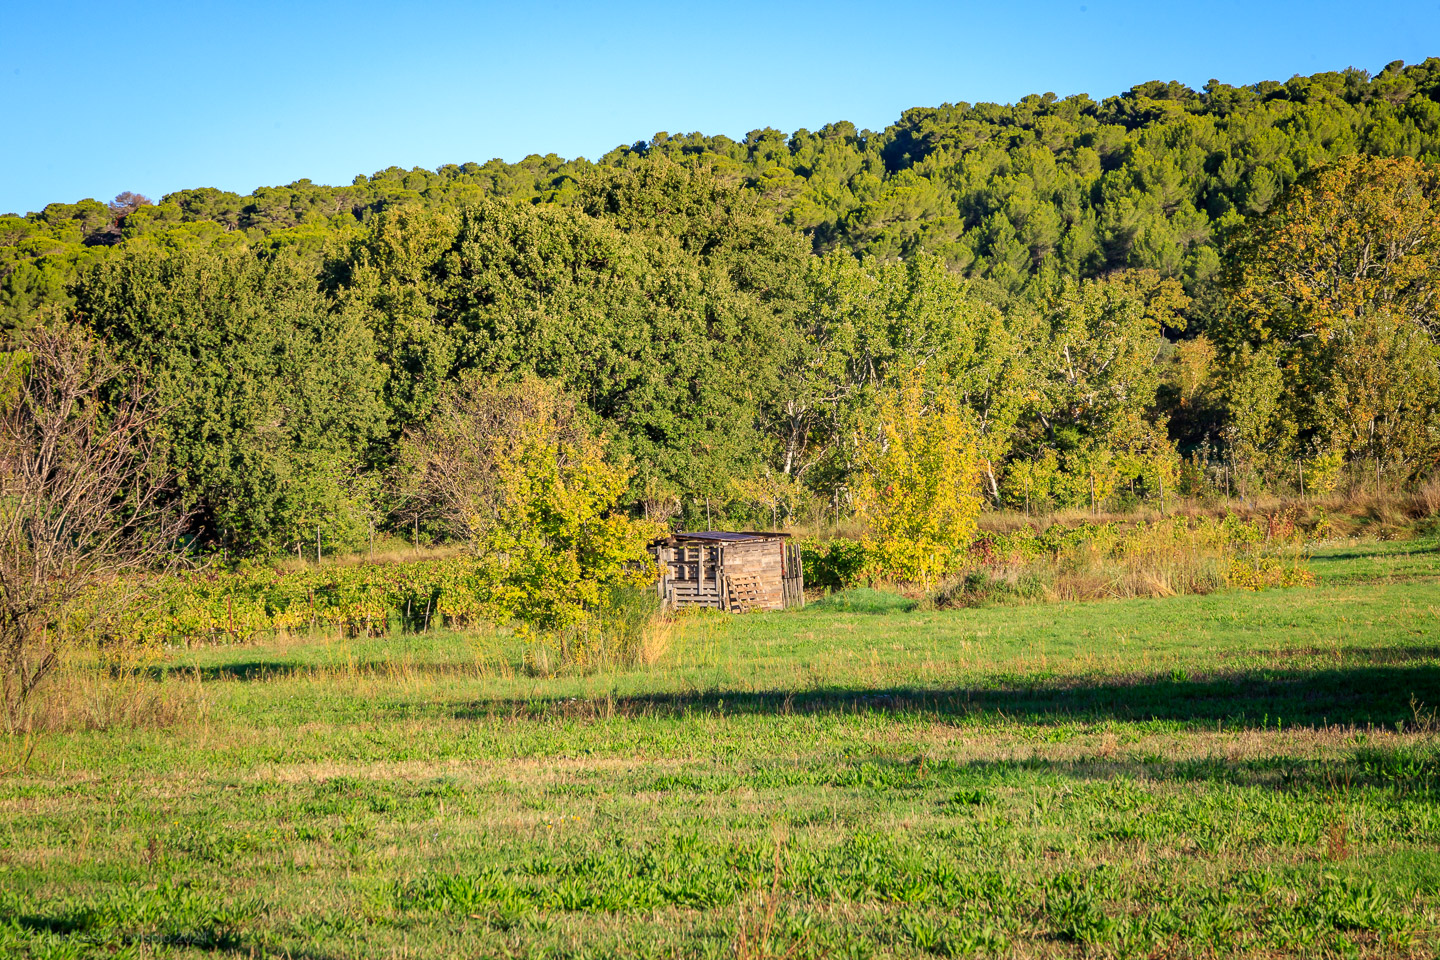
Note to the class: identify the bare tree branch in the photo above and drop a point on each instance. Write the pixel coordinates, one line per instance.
(83, 500)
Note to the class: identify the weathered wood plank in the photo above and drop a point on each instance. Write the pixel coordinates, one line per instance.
(761, 573)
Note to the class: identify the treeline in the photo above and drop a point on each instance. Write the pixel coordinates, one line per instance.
(1153, 178)
(1163, 293)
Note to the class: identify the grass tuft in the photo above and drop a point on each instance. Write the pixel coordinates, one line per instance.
(865, 600)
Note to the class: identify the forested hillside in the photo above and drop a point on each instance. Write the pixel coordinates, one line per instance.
(1151, 178)
(1092, 283)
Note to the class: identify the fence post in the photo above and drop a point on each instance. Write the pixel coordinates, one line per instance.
(317, 543)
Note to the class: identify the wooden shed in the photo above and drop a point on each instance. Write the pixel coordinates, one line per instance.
(737, 572)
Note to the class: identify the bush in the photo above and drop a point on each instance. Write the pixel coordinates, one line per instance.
(516, 469)
(919, 492)
(627, 630)
(979, 587)
(833, 564)
(1169, 557)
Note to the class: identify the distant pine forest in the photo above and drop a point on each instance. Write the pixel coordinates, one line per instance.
(1160, 294)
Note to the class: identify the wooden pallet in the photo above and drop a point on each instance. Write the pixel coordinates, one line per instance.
(682, 593)
(743, 593)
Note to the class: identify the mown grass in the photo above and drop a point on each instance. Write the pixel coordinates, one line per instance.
(1252, 774)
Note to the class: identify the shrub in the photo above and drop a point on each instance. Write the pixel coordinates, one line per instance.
(516, 468)
(1322, 473)
(979, 587)
(1251, 572)
(627, 630)
(833, 564)
(918, 493)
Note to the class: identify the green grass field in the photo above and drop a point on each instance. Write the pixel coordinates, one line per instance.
(1252, 774)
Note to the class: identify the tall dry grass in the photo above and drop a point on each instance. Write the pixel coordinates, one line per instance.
(629, 630)
(1426, 500)
(88, 693)
(1146, 566)
(1354, 511)
(1151, 560)
(389, 553)
(1088, 576)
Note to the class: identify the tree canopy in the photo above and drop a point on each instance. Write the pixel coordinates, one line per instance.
(1112, 296)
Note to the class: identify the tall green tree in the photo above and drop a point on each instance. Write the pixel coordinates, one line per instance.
(1340, 288)
(667, 328)
(867, 326)
(271, 394)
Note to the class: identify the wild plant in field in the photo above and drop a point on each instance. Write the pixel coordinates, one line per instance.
(82, 502)
(1337, 840)
(756, 934)
(627, 629)
(1426, 719)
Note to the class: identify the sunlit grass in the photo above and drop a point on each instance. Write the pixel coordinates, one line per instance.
(1232, 774)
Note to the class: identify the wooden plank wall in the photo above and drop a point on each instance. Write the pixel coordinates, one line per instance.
(764, 561)
(690, 576)
(766, 575)
(794, 584)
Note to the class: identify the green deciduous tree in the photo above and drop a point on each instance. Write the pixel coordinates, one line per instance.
(917, 486)
(649, 305)
(865, 326)
(1336, 295)
(271, 395)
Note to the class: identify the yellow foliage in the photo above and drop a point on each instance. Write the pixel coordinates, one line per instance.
(1322, 472)
(559, 546)
(1260, 572)
(918, 492)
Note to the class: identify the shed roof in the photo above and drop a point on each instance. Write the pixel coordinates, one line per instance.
(718, 536)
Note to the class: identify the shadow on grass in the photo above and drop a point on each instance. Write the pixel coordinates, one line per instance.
(262, 670)
(1352, 656)
(1384, 692)
(83, 932)
(1409, 771)
(1402, 549)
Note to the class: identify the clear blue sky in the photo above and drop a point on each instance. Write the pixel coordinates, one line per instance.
(99, 97)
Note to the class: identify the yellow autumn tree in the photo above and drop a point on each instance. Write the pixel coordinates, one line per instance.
(918, 491)
(516, 469)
